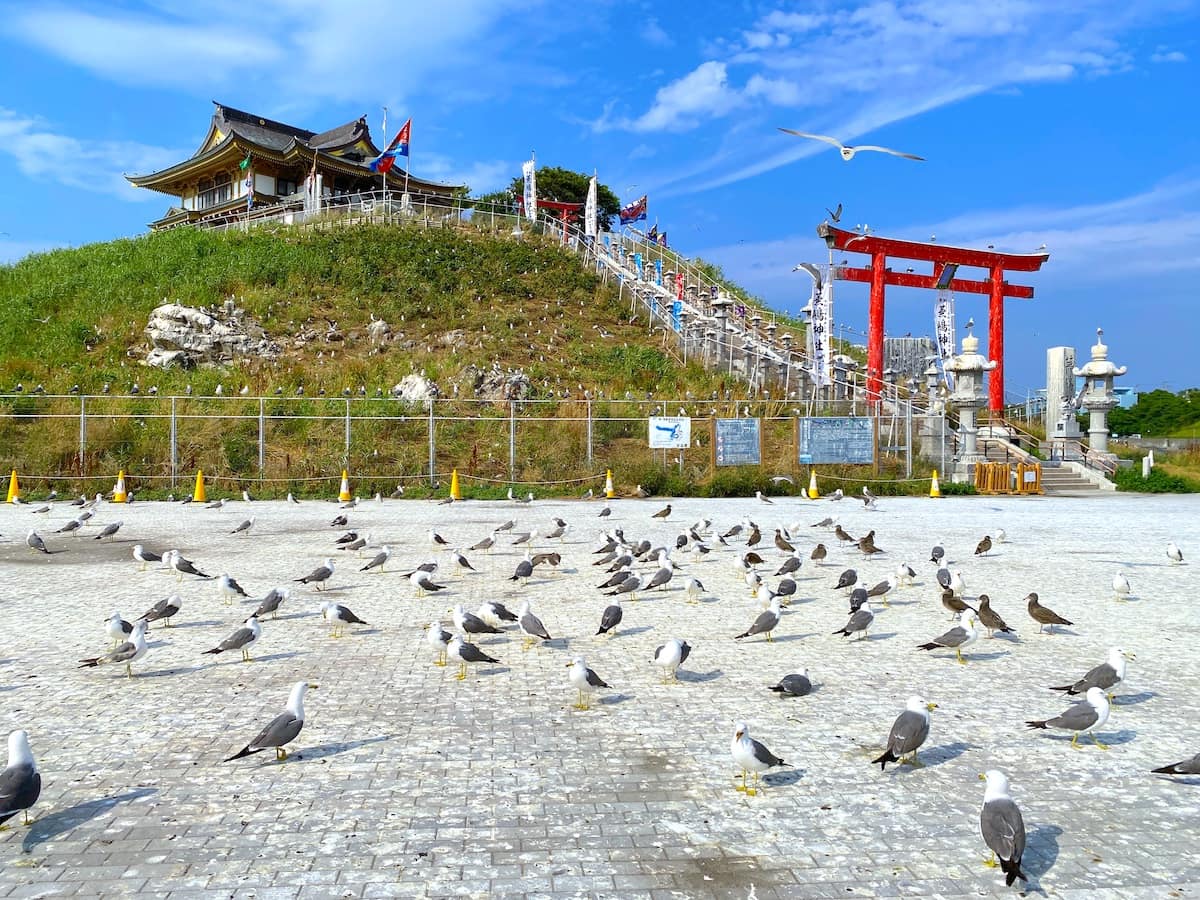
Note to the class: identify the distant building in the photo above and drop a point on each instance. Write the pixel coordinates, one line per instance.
(211, 185)
(908, 356)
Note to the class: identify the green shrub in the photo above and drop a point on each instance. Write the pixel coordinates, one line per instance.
(1159, 482)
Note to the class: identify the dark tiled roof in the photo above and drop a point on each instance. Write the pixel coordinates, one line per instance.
(265, 132)
(349, 133)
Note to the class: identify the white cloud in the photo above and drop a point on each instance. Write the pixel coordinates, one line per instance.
(655, 34)
(1168, 56)
(704, 92)
(481, 177)
(87, 164)
(776, 91)
(201, 45)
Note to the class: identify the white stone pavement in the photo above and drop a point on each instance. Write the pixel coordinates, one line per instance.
(406, 782)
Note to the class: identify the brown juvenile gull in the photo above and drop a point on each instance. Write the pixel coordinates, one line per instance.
(1043, 615)
(819, 553)
(984, 546)
(989, 618)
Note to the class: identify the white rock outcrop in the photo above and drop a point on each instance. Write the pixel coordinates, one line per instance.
(187, 336)
(415, 388)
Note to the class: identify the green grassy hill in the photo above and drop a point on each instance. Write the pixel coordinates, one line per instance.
(76, 317)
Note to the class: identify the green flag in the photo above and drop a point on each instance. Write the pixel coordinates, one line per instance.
(245, 163)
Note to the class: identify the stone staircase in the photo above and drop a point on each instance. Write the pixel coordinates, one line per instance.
(1056, 481)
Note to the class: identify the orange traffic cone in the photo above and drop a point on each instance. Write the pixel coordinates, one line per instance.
(119, 495)
(344, 493)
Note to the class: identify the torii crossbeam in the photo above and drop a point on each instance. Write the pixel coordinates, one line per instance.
(879, 274)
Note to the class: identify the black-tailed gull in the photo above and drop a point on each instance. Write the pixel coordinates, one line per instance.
(20, 783)
(1002, 827)
(1105, 676)
(908, 733)
(751, 756)
(766, 622)
(958, 638)
(585, 681)
(340, 616)
(1088, 715)
(163, 610)
(242, 639)
(282, 730)
(796, 684)
(320, 575)
(670, 656)
(465, 653)
(128, 652)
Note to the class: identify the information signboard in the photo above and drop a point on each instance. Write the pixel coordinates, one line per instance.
(670, 432)
(737, 442)
(837, 439)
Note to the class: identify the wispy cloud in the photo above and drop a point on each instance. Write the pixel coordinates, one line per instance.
(481, 177)
(654, 34)
(879, 62)
(199, 45)
(42, 153)
(1166, 55)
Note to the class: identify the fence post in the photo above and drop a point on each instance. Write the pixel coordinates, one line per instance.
(589, 431)
(346, 457)
(432, 447)
(174, 445)
(512, 439)
(262, 450)
(908, 439)
(82, 436)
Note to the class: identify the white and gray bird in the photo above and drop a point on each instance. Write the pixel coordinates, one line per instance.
(958, 638)
(439, 639)
(466, 652)
(797, 684)
(585, 681)
(320, 575)
(422, 581)
(283, 729)
(245, 526)
(1002, 827)
(144, 556)
(380, 559)
(228, 588)
(127, 653)
(1174, 554)
(108, 530)
(531, 626)
(164, 610)
(1105, 676)
(34, 541)
(766, 622)
(339, 617)
(859, 622)
(751, 756)
(270, 603)
(909, 732)
(118, 629)
(1085, 716)
(848, 152)
(670, 656)
(241, 639)
(694, 589)
(1120, 586)
(20, 782)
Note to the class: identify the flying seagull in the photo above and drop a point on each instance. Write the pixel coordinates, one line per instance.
(1002, 827)
(282, 730)
(751, 756)
(846, 151)
(908, 733)
(20, 783)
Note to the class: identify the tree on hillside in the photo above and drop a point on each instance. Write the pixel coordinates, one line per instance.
(564, 186)
(1157, 413)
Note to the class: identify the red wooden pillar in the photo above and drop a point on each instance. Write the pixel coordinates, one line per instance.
(995, 348)
(875, 328)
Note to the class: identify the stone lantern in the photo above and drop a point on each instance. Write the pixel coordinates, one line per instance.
(720, 308)
(1098, 397)
(968, 368)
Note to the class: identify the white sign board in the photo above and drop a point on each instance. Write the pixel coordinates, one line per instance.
(670, 432)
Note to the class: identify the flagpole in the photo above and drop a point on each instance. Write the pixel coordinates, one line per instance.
(385, 190)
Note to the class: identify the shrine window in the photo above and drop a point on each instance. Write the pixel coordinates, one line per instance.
(284, 187)
(214, 191)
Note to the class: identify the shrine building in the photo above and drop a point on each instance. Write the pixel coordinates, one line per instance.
(212, 186)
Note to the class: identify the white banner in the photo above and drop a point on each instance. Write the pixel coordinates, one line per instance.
(943, 329)
(670, 432)
(821, 333)
(529, 172)
(589, 210)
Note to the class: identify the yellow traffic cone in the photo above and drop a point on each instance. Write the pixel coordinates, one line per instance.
(609, 492)
(344, 492)
(14, 492)
(198, 495)
(934, 489)
(119, 495)
(455, 493)
(813, 494)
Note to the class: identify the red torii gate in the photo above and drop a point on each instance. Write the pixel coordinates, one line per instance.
(878, 274)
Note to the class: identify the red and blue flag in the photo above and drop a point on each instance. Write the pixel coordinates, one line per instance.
(634, 212)
(398, 147)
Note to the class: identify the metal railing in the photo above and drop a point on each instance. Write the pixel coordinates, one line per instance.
(247, 438)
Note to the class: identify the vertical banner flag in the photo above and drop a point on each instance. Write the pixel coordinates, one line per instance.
(679, 285)
(820, 330)
(398, 147)
(943, 329)
(249, 189)
(589, 210)
(677, 315)
(637, 262)
(658, 272)
(635, 211)
(529, 173)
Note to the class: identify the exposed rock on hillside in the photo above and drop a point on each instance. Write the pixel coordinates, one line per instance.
(186, 336)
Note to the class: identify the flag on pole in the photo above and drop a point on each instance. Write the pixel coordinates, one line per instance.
(398, 147)
(662, 239)
(529, 174)
(635, 211)
(589, 210)
(652, 234)
(249, 188)
(245, 163)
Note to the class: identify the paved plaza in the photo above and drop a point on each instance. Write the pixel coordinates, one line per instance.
(408, 782)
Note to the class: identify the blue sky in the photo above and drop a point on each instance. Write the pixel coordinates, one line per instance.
(1071, 124)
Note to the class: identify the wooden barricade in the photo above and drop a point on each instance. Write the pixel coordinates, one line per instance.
(993, 478)
(1029, 478)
